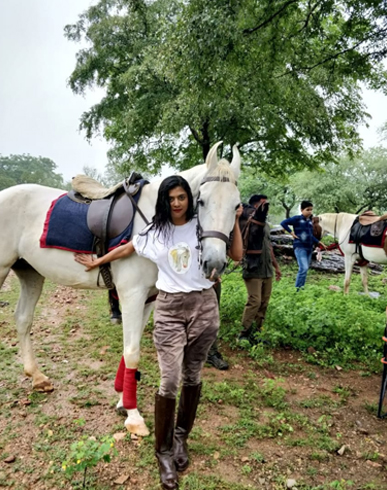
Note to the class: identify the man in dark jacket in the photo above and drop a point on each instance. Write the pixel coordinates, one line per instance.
(258, 271)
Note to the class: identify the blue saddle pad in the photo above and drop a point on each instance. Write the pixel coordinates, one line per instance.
(66, 227)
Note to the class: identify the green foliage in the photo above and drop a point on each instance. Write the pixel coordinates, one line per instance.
(342, 329)
(281, 78)
(87, 453)
(22, 169)
(281, 196)
(230, 393)
(273, 394)
(349, 186)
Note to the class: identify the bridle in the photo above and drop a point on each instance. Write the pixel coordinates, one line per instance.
(246, 230)
(335, 237)
(200, 233)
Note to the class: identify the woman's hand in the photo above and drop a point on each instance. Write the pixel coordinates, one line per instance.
(86, 260)
(239, 212)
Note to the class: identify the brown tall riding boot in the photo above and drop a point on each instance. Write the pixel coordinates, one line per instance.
(188, 404)
(164, 422)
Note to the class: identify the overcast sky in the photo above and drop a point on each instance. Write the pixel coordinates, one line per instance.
(38, 112)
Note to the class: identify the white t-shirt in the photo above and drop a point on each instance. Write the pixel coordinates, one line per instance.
(176, 258)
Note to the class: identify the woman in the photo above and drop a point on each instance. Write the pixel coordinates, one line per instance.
(186, 316)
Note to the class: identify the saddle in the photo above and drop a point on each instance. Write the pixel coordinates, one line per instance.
(369, 218)
(371, 234)
(110, 211)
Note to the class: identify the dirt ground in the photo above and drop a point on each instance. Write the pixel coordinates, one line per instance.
(317, 426)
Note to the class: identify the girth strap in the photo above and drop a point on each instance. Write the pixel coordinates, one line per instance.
(127, 190)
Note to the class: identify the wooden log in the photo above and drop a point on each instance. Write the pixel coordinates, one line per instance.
(332, 261)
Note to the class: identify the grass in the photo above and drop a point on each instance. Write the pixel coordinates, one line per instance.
(342, 330)
(245, 417)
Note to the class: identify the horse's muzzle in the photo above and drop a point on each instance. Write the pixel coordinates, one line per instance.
(213, 269)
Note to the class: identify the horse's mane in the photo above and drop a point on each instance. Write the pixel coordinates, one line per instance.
(223, 171)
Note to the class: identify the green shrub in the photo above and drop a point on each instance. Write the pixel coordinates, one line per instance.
(341, 329)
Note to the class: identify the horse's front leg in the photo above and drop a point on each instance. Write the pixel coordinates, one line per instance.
(135, 315)
(349, 263)
(364, 278)
(31, 284)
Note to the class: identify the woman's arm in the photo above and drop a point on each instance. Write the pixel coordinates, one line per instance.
(118, 253)
(236, 248)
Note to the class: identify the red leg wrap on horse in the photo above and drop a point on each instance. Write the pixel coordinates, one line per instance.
(119, 381)
(130, 389)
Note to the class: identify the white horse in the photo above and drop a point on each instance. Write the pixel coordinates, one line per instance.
(339, 225)
(23, 213)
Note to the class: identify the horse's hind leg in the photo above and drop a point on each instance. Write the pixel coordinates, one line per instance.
(7, 259)
(364, 278)
(349, 263)
(31, 284)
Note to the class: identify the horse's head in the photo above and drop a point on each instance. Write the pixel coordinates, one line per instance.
(327, 223)
(252, 223)
(317, 228)
(217, 202)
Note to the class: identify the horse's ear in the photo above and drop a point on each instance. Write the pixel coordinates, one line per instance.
(236, 161)
(212, 157)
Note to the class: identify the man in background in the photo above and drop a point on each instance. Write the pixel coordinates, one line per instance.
(258, 272)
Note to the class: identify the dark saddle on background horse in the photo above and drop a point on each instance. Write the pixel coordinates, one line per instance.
(371, 235)
(369, 218)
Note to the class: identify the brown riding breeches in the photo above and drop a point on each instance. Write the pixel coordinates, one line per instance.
(258, 296)
(186, 325)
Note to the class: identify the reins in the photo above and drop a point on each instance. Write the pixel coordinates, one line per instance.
(246, 231)
(337, 244)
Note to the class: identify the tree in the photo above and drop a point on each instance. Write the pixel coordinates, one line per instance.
(94, 174)
(278, 190)
(351, 186)
(22, 169)
(280, 77)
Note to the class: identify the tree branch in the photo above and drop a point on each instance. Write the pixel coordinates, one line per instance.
(334, 56)
(270, 19)
(195, 134)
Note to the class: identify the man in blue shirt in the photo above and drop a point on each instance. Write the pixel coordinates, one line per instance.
(304, 241)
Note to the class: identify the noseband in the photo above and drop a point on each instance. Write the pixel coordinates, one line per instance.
(200, 233)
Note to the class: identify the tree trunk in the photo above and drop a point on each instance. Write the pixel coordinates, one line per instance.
(206, 144)
(287, 209)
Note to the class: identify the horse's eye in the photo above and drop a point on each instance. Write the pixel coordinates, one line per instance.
(200, 202)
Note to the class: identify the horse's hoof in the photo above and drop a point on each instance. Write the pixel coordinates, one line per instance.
(122, 411)
(44, 387)
(137, 429)
(116, 320)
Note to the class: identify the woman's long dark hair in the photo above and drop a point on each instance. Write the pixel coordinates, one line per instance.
(162, 220)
